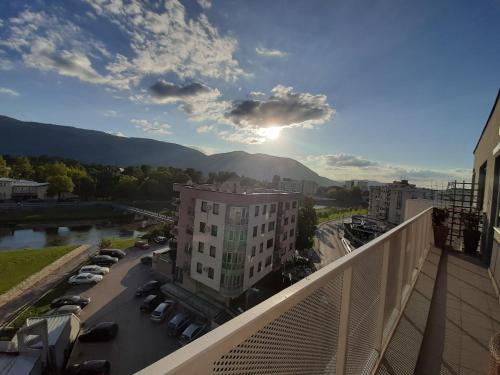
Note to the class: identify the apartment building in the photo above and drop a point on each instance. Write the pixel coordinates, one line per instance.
(306, 187)
(12, 189)
(361, 184)
(229, 239)
(387, 202)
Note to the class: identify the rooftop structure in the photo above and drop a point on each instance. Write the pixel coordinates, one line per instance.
(305, 187)
(12, 189)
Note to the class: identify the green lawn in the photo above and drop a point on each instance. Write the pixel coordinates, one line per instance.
(121, 243)
(331, 213)
(17, 265)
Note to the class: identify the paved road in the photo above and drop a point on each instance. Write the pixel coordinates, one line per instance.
(140, 342)
(327, 244)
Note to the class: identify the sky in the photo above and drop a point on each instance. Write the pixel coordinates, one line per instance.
(353, 89)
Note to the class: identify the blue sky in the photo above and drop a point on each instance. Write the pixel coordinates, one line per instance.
(353, 89)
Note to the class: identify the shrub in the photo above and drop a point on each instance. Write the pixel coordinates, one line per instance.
(439, 215)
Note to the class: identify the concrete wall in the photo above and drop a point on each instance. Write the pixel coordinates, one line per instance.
(415, 206)
(495, 262)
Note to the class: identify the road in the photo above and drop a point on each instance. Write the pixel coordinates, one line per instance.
(327, 244)
(140, 342)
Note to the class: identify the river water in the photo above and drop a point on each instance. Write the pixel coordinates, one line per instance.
(38, 238)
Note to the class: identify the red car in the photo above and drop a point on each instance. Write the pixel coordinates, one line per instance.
(142, 244)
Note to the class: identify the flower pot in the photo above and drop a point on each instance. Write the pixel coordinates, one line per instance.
(440, 235)
(471, 240)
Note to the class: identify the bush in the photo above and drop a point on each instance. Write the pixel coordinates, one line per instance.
(105, 243)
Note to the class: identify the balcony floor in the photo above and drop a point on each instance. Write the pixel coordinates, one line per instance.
(464, 314)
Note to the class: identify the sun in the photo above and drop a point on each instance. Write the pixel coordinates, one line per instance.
(271, 133)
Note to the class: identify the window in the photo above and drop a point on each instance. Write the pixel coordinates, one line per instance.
(261, 249)
(287, 205)
(250, 274)
(269, 243)
(290, 248)
(259, 267)
(256, 210)
(213, 230)
(270, 226)
(231, 235)
(255, 231)
(212, 251)
(210, 273)
(292, 232)
(272, 209)
(285, 221)
(253, 250)
(199, 267)
(202, 227)
(228, 257)
(222, 277)
(264, 209)
(285, 236)
(215, 208)
(201, 247)
(293, 219)
(268, 260)
(243, 235)
(263, 228)
(204, 206)
(294, 204)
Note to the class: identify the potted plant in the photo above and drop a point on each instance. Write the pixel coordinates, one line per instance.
(472, 235)
(439, 216)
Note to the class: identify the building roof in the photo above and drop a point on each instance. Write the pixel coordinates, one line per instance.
(497, 101)
(18, 364)
(55, 325)
(23, 182)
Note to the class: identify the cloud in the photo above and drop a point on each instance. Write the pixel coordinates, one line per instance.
(118, 134)
(7, 91)
(151, 126)
(167, 92)
(205, 4)
(345, 160)
(110, 113)
(269, 52)
(204, 149)
(205, 129)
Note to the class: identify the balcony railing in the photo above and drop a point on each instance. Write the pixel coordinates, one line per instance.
(338, 320)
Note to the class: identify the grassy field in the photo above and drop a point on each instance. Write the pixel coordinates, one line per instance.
(17, 265)
(331, 213)
(121, 243)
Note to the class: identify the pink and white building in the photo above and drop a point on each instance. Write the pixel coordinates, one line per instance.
(229, 239)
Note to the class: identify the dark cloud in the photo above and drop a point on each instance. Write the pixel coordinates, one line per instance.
(164, 91)
(346, 160)
(283, 108)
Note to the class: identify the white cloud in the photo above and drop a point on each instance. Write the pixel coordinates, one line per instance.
(205, 129)
(110, 113)
(151, 126)
(7, 91)
(118, 134)
(269, 52)
(206, 150)
(205, 4)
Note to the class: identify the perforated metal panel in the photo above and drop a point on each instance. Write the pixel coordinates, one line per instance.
(301, 341)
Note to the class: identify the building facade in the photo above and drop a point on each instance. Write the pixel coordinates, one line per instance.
(306, 187)
(228, 240)
(388, 202)
(18, 190)
(361, 184)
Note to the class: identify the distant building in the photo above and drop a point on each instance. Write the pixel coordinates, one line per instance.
(18, 190)
(361, 184)
(387, 202)
(228, 239)
(305, 187)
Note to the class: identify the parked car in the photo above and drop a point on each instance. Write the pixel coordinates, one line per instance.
(178, 323)
(103, 260)
(192, 332)
(95, 269)
(160, 240)
(117, 253)
(103, 331)
(142, 244)
(163, 310)
(85, 278)
(147, 259)
(70, 300)
(66, 309)
(150, 302)
(92, 367)
(150, 286)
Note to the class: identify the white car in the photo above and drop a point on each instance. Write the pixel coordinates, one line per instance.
(95, 269)
(85, 278)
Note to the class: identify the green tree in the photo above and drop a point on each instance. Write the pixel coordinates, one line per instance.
(59, 185)
(127, 186)
(22, 168)
(4, 170)
(306, 225)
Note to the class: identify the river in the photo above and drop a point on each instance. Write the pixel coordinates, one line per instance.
(37, 238)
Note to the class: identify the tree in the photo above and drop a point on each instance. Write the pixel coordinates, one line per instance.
(306, 225)
(59, 185)
(22, 168)
(4, 170)
(127, 186)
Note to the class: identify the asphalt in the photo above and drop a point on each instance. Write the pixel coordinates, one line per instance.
(327, 244)
(139, 342)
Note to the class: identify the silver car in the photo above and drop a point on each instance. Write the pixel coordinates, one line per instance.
(95, 269)
(162, 311)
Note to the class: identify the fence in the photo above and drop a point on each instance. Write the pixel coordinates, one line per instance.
(338, 320)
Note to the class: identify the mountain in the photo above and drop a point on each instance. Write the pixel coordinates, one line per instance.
(92, 146)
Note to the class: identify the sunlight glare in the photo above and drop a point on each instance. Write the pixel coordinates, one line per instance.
(271, 133)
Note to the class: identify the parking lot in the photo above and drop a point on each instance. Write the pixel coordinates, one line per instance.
(139, 342)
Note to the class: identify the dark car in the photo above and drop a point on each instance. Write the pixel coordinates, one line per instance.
(103, 260)
(70, 300)
(178, 323)
(150, 286)
(93, 367)
(151, 302)
(147, 259)
(192, 332)
(116, 253)
(141, 244)
(103, 331)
